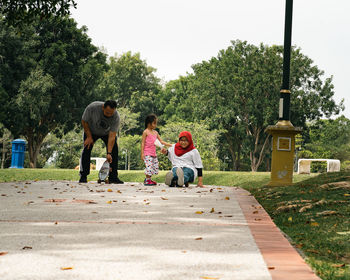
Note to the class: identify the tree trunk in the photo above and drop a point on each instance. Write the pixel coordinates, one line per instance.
(34, 145)
(235, 151)
(254, 160)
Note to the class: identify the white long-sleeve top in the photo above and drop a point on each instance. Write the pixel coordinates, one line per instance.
(191, 159)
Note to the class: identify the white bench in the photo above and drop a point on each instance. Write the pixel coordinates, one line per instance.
(333, 165)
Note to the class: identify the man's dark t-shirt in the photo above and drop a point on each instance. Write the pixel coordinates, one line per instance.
(100, 124)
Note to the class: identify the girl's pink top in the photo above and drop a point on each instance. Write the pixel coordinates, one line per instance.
(150, 148)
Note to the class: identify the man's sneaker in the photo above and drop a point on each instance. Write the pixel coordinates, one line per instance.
(180, 177)
(169, 178)
(115, 181)
(83, 179)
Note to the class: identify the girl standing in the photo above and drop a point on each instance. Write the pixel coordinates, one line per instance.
(148, 148)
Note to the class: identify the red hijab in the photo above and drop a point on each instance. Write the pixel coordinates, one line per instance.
(179, 151)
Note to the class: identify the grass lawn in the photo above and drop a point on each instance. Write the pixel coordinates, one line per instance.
(314, 212)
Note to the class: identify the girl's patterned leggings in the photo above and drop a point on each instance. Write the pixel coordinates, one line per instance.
(152, 165)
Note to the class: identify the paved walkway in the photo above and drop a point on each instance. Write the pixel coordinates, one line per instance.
(65, 230)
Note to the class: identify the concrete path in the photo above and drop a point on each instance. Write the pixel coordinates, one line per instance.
(65, 230)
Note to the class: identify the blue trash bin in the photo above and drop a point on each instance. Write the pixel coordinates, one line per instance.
(18, 149)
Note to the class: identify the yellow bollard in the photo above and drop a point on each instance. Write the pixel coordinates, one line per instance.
(283, 145)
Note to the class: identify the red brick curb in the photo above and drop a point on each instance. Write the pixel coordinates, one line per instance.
(281, 258)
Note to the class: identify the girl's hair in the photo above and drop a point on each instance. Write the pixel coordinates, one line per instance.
(150, 119)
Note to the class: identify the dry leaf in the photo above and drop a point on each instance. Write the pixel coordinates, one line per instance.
(3, 253)
(199, 212)
(66, 268)
(212, 210)
(164, 198)
(109, 190)
(314, 224)
(109, 202)
(346, 194)
(255, 212)
(343, 232)
(290, 219)
(27, 248)
(271, 267)
(339, 265)
(199, 238)
(208, 277)
(227, 198)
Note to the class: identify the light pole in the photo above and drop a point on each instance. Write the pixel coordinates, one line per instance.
(283, 133)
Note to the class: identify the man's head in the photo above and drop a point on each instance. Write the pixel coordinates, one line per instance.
(109, 108)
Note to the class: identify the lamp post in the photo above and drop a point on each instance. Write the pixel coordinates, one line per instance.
(284, 108)
(283, 133)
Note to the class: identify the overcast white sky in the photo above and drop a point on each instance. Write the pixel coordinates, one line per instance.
(173, 35)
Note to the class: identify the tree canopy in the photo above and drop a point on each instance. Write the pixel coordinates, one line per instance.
(48, 74)
(26, 11)
(235, 91)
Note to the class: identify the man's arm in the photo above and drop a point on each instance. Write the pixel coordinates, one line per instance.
(88, 141)
(111, 141)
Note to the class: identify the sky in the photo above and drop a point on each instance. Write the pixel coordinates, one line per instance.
(173, 35)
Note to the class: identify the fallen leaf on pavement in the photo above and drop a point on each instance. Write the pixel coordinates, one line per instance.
(27, 248)
(255, 212)
(212, 210)
(208, 277)
(271, 267)
(227, 198)
(164, 198)
(199, 238)
(109, 202)
(199, 212)
(66, 268)
(3, 253)
(109, 190)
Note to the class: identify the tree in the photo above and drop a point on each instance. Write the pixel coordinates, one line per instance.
(5, 145)
(238, 91)
(26, 11)
(48, 75)
(132, 84)
(174, 103)
(328, 138)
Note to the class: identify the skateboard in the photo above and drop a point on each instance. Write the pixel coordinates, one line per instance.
(103, 173)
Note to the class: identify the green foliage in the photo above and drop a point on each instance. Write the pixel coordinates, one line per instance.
(5, 146)
(234, 91)
(130, 151)
(132, 83)
(175, 100)
(327, 138)
(21, 12)
(314, 213)
(49, 70)
(205, 140)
